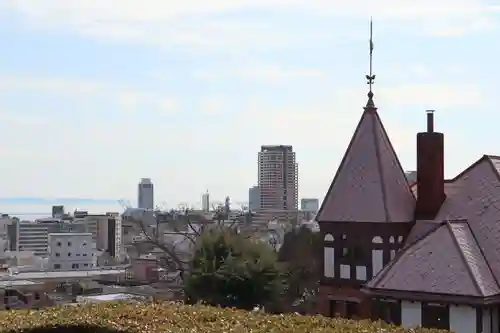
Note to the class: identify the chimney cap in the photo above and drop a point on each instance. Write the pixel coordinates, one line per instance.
(430, 111)
(430, 121)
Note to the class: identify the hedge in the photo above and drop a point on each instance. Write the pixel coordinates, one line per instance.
(176, 318)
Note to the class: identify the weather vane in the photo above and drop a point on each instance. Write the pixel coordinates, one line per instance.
(371, 77)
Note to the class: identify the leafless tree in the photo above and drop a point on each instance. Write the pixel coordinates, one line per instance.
(185, 225)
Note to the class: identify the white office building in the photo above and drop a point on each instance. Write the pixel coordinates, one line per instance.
(145, 195)
(205, 202)
(71, 251)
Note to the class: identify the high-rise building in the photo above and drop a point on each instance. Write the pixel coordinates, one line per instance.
(254, 198)
(411, 176)
(145, 198)
(205, 202)
(310, 205)
(278, 178)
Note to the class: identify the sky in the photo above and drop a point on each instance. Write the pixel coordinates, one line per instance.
(95, 94)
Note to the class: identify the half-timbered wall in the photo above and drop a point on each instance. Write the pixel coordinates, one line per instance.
(354, 256)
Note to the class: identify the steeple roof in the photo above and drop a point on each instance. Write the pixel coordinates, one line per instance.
(370, 185)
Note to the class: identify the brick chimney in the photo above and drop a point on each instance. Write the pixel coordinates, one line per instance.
(430, 171)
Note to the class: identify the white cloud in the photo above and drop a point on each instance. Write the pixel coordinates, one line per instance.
(277, 74)
(320, 131)
(50, 85)
(191, 22)
(126, 98)
(420, 72)
(213, 105)
(132, 147)
(20, 120)
(460, 27)
(432, 95)
(302, 125)
(269, 74)
(147, 11)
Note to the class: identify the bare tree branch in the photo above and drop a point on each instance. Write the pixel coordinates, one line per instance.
(175, 263)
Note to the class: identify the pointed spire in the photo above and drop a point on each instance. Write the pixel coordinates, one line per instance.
(370, 77)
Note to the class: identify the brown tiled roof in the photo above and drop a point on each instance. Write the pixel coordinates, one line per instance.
(370, 185)
(446, 261)
(473, 195)
(449, 188)
(422, 227)
(478, 201)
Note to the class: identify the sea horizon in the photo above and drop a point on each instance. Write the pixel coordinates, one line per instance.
(29, 208)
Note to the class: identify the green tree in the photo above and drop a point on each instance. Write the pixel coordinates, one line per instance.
(230, 270)
(301, 253)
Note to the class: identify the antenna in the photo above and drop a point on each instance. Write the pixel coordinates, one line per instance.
(371, 77)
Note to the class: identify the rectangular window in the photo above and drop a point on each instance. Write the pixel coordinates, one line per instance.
(57, 266)
(74, 266)
(435, 316)
(334, 309)
(387, 310)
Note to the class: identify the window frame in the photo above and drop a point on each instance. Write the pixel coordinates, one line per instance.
(387, 310)
(431, 312)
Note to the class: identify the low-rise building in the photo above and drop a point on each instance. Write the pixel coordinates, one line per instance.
(71, 251)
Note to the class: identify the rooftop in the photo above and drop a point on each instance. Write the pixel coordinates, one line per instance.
(370, 175)
(110, 297)
(42, 275)
(69, 234)
(17, 283)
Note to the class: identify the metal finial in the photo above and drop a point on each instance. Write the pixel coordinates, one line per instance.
(371, 77)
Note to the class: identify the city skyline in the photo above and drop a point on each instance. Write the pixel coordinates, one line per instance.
(186, 93)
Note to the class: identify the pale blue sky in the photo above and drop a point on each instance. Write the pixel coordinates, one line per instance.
(97, 94)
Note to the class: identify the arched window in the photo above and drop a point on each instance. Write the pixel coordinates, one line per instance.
(391, 239)
(329, 258)
(377, 256)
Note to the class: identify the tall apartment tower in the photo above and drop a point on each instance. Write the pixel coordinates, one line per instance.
(278, 178)
(205, 202)
(145, 195)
